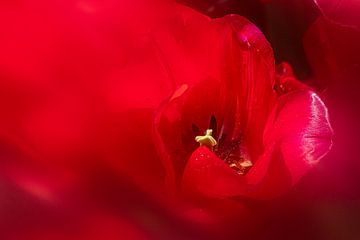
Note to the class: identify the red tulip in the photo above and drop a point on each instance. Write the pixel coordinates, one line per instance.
(277, 123)
(101, 102)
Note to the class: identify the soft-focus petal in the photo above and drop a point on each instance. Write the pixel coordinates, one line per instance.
(345, 12)
(69, 73)
(333, 52)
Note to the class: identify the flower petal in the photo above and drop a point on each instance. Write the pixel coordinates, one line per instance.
(248, 76)
(333, 52)
(70, 84)
(340, 11)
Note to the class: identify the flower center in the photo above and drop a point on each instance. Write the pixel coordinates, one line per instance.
(207, 140)
(232, 152)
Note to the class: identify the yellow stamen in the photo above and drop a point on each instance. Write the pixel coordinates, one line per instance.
(206, 140)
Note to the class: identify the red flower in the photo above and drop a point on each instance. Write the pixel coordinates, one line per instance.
(102, 101)
(273, 121)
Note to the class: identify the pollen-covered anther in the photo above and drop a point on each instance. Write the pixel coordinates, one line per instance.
(206, 140)
(241, 167)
